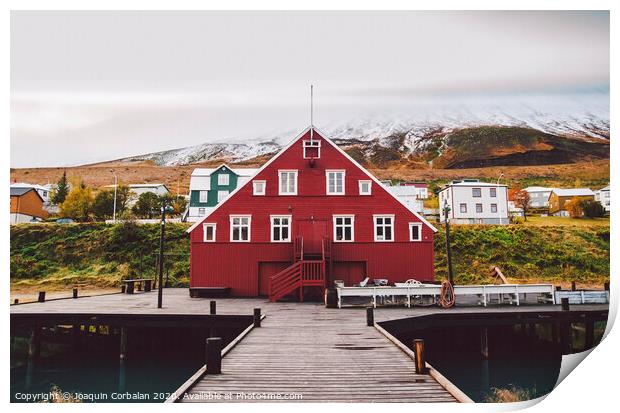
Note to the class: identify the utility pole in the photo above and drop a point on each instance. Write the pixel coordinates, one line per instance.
(446, 210)
(115, 187)
(161, 253)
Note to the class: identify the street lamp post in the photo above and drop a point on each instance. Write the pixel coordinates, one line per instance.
(446, 210)
(115, 187)
(499, 204)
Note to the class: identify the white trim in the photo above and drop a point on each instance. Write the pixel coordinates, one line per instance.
(374, 227)
(415, 224)
(227, 176)
(344, 179)
(204, 232)
(287, 171)
(290, 220)
(200, 192)
(314, 145)
(346, 155)
(352, 227)
(230, 218)
(255, 192)
(360, 183)
(224, 192)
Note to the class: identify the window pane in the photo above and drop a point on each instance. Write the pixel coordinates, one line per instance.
(276, 233)
(284, 233)
(388, 233)
(244, 233)
(380, 232)
(339, 233)
(235, 233)
(415, 232)
(347, 234)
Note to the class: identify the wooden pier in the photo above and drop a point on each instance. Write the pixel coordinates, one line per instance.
(302, 351)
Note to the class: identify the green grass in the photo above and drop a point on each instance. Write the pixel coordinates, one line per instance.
(102, 255)
(566, 221)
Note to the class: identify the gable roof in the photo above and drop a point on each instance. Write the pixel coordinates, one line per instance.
(346, 155)
(23, 191)
(573, 192)
(237, 171)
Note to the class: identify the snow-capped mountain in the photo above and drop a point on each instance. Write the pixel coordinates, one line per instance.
(411, 130)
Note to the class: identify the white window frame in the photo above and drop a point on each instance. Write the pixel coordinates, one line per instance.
(255, 190)
(361, 183)
(204, 232)
(479, 193)
(415, 224)
(219, 179)
(202, 211)
(206, 197)
(249, 217)
(295, 173)
(220, 192)
(344, 179)
(314, 144)
(290, 219)
(334, 217)
(374, 227)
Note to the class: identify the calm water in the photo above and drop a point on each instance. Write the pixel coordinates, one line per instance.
(525, 359)
(158, 362)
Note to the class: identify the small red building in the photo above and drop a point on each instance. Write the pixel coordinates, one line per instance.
(309, 216)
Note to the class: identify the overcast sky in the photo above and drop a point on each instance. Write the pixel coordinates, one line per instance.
(90, 86)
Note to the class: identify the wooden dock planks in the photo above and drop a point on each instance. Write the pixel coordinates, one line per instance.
(324, 355)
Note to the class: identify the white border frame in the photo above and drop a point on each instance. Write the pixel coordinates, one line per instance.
(290, 227)
(230, 218)
(344, 182)
(352, 216)
(200, 191)
(304, 142)
(204, 232)
(296, 171)
(374, 227)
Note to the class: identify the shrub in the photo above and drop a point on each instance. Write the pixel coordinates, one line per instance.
(592, 209)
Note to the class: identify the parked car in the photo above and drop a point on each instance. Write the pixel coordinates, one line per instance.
(65, 221)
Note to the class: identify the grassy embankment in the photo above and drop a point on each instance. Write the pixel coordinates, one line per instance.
(56, 256)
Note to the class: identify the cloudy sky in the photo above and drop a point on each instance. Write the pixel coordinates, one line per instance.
(91, 86)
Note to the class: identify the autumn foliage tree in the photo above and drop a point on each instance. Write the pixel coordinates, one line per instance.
(522, 200)
(78, 204)
(574, 207)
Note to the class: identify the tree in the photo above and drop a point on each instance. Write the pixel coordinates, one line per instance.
(574, 207)
(592, 208)
(147, 206)
(123, 196)
(522, 200)
(62, 190)
(78, 204)
(179, 204)
(103, 205)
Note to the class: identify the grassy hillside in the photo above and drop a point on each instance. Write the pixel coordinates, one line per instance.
(59, 255)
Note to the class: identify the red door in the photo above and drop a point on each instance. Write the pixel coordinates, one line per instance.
(266, 270)
(312, 232)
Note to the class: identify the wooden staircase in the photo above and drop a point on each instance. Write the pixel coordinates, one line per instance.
(302, 273)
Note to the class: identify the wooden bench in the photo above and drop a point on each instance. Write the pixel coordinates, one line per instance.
(209, 292)
(130, 284)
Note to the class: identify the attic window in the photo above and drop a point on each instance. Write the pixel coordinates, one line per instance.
(312, 149)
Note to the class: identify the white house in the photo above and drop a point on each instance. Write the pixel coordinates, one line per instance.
(139, 189)
(474, 202)
(539, 196)
(412, 195)
(604, 197)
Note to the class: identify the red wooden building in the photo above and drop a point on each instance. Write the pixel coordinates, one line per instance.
(309, 216)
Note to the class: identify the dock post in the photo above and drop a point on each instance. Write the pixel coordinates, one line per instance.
(606, 286)
(484, 342)
(565, 304)
(123, 289)
(589, 335)
(41, 296)
(214, 355)
(16, 301)
(122, 358)
(257, 317)
(420, 359)
(573, 286)
(212, 307)
(75, 293)
(34, 346)
(370, 317)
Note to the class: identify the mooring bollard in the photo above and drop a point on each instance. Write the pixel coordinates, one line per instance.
(75, 293)
(420, 358)
(16, 301)
(214, 355)
(212, 307)
(41, 296)
(573, 286)
(123, 289)
(565, 305)
(606, 286)
(370, 317)
(257, 317)
(558, 288)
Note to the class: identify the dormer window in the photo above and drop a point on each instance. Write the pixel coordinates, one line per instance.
(223, 179)
(312, 149)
